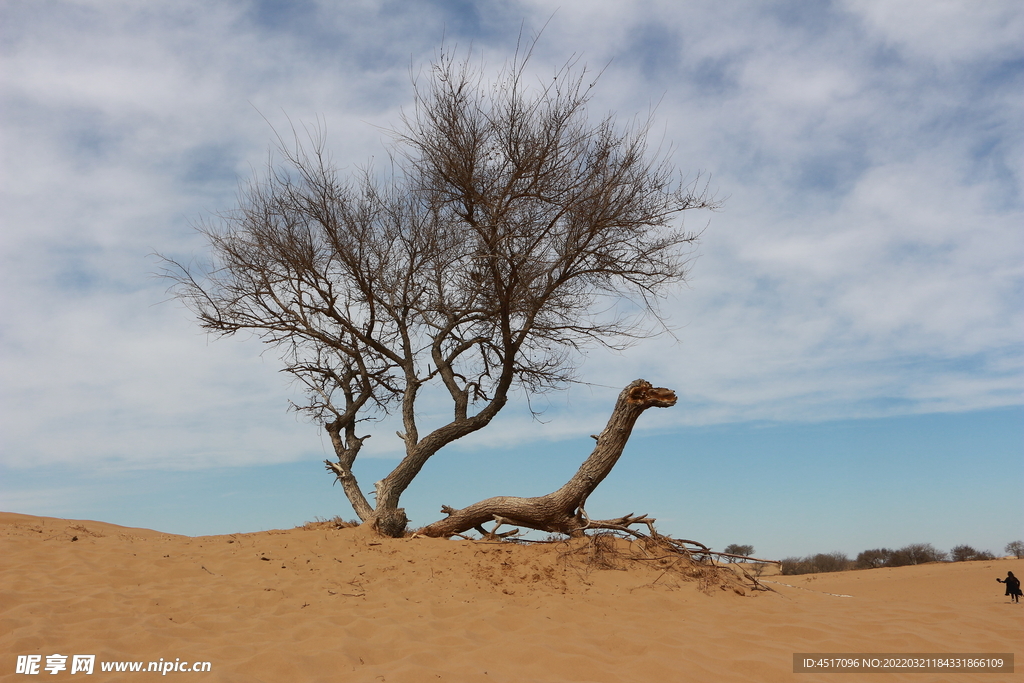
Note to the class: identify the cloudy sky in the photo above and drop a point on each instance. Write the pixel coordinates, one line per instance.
(848, 352)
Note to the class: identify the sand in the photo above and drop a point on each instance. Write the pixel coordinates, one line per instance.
(325, 604)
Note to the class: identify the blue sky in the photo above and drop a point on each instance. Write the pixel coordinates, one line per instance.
(848, 352)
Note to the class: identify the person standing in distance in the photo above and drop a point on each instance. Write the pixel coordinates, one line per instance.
(1012, 586)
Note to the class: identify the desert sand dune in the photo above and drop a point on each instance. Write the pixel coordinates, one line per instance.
(323, 604)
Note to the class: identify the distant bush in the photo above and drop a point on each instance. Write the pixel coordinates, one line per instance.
(1015, 548)
(873, 559)
(817, 564)
(962, 553)
(790, 565)
(915, 553)
(965, 553)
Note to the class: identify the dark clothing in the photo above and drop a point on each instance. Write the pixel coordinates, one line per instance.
(1012, 586)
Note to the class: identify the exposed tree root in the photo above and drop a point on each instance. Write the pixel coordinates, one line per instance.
(673, 564)
(612, 544)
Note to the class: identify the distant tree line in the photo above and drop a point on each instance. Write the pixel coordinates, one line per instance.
(817, 564)
(915, 553)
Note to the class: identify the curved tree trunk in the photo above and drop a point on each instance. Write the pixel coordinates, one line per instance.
(560, 511)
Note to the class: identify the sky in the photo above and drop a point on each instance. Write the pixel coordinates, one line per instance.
(847, 352)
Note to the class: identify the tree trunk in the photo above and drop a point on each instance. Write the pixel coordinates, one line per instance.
(342, 469)
(560, 511)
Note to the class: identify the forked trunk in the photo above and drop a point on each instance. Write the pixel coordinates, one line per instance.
(560, 511)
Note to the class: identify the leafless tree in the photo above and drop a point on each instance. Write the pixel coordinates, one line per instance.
(966, 553)
(735, 549)
(874, 558)
(511, 231)
(915, 553)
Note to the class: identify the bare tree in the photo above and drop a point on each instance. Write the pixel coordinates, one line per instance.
(966, 553)
(735, 549)
(511, 231)
(874, 558)
(915, 553)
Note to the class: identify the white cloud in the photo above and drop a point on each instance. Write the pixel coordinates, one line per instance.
(868, 260)
(945, 31)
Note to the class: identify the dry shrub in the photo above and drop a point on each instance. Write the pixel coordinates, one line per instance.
(335, 523)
